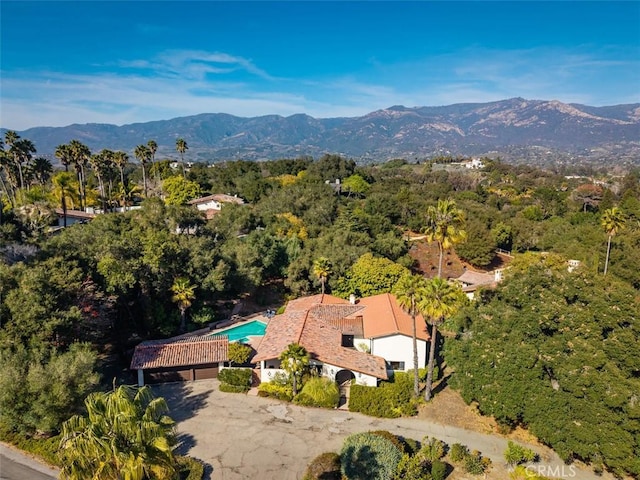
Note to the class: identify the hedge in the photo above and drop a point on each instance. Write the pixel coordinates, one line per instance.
(239, 377)
(389, 399)
(274, 390)
(225, 387)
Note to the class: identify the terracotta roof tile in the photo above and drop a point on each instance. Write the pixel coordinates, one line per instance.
(180, 351)
(383, 316)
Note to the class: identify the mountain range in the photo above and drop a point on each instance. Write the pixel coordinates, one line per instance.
(516, 129)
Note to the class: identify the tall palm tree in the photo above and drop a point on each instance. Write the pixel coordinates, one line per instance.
(445, 223)
(8, 175)
(183, 294)
(182, 147)
(63, 186)
(126, 435)
(99, 163)
(63, 153)
(322, 270)
(120, 160)
(143, 154)
(613, 220)
(80, 155)
(41, 169)
(22, 151)
(439, 299)
(409, 291)
(153, 148)
(294, 360)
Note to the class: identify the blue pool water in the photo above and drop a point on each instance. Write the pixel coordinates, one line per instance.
(239, 333)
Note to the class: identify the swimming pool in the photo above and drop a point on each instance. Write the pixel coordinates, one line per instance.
(240, 333)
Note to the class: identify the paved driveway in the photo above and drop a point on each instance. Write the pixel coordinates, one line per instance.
(247, 437)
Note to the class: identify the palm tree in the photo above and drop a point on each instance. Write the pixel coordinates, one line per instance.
(100, 163)
(322, 270)
(153, 148)
(409, 291)
(41, 169)
(294, 360)
(63, 153)
(143, 154)
(181, 147)
(120, 160)
(445, 224)
(63, 183)
(80, 155)
(183, 294)
(439, 299)
(126, 435)
(613, 220)
(8, 173)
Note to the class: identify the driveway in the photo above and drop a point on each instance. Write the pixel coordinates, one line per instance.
(15, 465)
(247, 437)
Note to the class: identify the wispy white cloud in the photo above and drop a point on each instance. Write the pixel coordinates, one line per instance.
(185, 82)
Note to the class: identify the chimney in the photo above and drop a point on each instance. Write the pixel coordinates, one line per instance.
(352, 299)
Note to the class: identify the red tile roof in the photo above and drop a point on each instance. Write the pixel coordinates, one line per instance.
(316, 322)
(218, 197)
(382, 316)
(180, 352)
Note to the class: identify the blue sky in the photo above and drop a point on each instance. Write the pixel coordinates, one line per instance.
(124, 62)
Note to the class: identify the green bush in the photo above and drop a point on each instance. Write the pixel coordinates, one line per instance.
(225, 387)
(392, 438)
(239, 377)
(432, 449)
(458, 452)
(412, 468)
(388, 400)
(325, 466)
(45, 448)
(365, 456)
(319, 392)
(438, 470)
(516, 454)
(190, 468)
(476, 464)
(274, 390)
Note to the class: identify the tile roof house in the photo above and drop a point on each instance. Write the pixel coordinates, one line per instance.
(180, 358)
(363, 340)
(471, 281)
(212, 204)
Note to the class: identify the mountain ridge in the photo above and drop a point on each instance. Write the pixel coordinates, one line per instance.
(511, 127)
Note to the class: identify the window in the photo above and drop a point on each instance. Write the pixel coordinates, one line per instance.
(347, 341)
(396, 365)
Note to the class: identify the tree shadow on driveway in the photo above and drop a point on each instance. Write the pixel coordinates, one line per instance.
(183, 403)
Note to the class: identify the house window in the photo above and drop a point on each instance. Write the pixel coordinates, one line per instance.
(347, 341)
(396, 365)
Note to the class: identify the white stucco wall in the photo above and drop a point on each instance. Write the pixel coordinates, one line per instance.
(330, 371)
(210, 205)
(399, 348)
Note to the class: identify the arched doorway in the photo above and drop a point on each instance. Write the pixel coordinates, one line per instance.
(344, 376)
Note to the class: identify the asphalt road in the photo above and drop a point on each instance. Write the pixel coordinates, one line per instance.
(16, 466)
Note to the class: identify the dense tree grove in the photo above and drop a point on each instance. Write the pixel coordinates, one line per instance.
(556, 351)
(322, 225)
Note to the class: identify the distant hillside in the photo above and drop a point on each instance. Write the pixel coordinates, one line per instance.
(516, 129)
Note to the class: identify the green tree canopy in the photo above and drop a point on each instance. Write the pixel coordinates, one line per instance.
(368, 276)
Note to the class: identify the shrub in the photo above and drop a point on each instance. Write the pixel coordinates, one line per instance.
(190, 468)
(274, 390)
(365, 456)
(225, 387)
(392, 438)
(325, 466)
(411, 446)
(45, 448)
(239, 353)
(412, 468)
(458, 452)
(438, 470)
(476, 464)
(319, 392)
(516, 454)
(432, 449)
(389, 400)
(239, 377)
(521, 473)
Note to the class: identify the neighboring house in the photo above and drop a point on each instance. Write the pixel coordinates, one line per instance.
(471, 281)
(475, 164)
(364, 340)
(212, 204)
(73, 216)
(180, 358)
